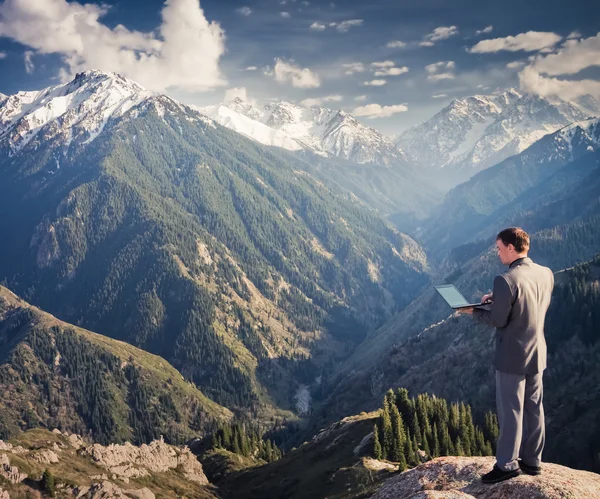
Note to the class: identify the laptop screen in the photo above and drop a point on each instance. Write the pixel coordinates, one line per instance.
(452, 296)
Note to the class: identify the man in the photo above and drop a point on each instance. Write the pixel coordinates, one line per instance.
(519, 302)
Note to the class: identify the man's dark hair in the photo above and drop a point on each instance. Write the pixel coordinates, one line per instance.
(515, 236)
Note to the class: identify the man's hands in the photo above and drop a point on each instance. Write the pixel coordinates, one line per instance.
(487, 297)
(467, 310)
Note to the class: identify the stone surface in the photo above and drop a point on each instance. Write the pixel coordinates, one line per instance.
(45, 456)
(11, 473)
(108, 490)
(460, 478)
(129, 461)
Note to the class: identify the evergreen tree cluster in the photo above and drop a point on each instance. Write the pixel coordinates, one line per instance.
(244, 439)
(428, 426)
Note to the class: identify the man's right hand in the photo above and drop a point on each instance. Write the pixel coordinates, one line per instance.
(487, 298)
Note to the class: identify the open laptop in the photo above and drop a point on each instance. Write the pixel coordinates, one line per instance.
(454, 298)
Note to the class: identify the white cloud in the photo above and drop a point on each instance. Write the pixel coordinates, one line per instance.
(439, 96)
(354, 67)
(318, 26)
(529, 42)
(572, 57)
(344, 26)
(372, 111)
(285, 15)
(383, 64)
(245, 11)
(487, 29)
(251, 68)
(441, 76)
(439, 33)
(396, 44)
(439, 66)
(168, 57)
(287, 72)
(515, 65)
(360, 98)
(392, 71)
(29, 67)
(532, 81)
(320, 100)
(2, 55)
(374, 83)
(574, 34)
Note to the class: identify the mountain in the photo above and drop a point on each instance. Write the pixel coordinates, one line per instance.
(340, 152)
(137, 217)
(472, 134)
(426, 348)
(56, 375)
(322, 131)
(42, 463)
(560, 165)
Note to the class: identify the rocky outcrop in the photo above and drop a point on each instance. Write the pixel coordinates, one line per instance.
(11, 473)
(460, 478)
(45, 456)
(128, 461)
(108, 490)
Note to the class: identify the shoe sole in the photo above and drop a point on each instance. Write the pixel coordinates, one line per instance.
(502, 479)
(532, 473)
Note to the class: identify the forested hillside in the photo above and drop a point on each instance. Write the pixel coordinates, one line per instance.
(453, 359)
(196, 244)
(56, 375)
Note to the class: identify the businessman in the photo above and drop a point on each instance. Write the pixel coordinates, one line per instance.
(520, 300)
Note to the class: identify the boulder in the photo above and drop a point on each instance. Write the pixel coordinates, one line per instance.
(460, 478)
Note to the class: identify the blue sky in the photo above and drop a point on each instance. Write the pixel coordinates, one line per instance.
(415, 56)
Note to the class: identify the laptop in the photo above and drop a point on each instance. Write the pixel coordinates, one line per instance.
(454, 297)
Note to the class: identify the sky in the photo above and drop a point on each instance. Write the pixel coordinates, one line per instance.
(391, 63)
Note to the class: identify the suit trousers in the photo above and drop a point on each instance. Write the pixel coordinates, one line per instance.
(521, 419)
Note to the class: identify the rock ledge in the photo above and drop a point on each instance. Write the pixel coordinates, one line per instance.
(460, 478)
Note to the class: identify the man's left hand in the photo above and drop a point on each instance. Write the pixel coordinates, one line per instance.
(468, 310)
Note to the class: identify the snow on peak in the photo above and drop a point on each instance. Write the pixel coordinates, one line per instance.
(76, 110)
(323, 131)
(476, 132)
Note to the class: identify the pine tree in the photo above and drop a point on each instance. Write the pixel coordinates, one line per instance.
(459, 448)
(491, 428)
(415, 459)
(48, 483)
(377, 450)
(386, 429)
(436, 443)
(399, 438)
(425, 444)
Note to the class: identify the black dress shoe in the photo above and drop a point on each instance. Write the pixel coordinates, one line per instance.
(530, 470)
(498, 475)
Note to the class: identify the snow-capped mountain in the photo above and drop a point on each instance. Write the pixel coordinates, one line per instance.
(326, 132)
(74, 111)
(475, 133)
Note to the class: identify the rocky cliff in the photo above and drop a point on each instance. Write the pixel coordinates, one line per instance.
(93, 471)
(460, 478)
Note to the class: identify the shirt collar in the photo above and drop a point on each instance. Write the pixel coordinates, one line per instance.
(519, 261)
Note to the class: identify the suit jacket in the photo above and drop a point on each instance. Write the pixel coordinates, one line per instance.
(521, 297)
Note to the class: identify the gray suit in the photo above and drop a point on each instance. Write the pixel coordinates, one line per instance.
(521, 298)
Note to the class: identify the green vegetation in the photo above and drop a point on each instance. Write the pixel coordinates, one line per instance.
(428, 423)
(243, 439)
(48, 483)
(58, 376)
(200, 246)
